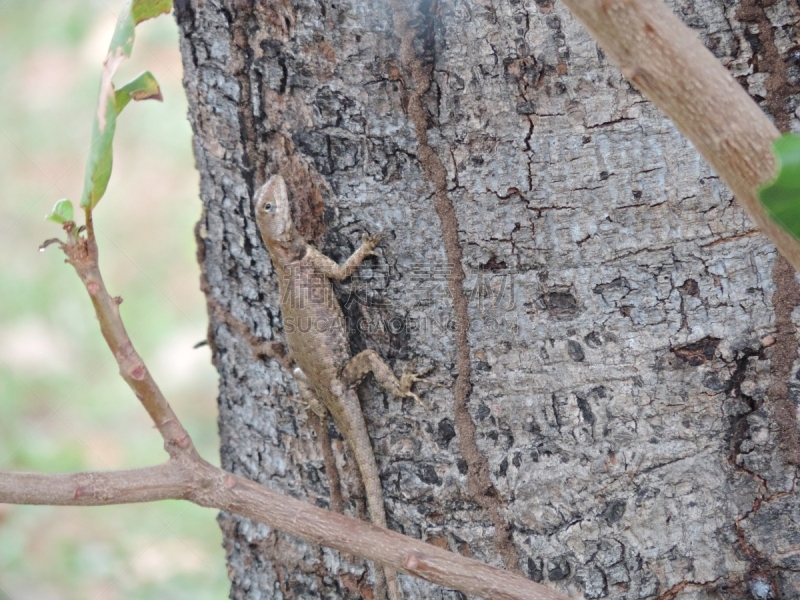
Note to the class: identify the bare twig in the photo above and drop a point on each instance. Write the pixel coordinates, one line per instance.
(666, 61)
(187, 476)
(191, 478)
(169, 481)
(82, 254)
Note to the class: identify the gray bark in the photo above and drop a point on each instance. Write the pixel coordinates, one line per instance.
(621, 418)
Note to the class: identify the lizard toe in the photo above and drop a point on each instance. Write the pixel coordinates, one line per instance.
(419, 400)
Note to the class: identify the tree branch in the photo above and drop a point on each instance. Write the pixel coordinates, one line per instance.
(191, 478)
(168, 481)
(663, 58)
(82, 254)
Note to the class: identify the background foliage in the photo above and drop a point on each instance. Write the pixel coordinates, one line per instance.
(63, 406)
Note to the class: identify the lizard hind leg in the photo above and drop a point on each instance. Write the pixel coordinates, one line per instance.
(308, 396)
(318, 418)
(368, 361)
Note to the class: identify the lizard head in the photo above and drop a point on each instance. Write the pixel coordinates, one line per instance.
(273, 214)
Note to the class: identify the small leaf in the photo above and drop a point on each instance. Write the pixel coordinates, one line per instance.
(124, 34)
(144, 87)
(98, 167)
(111, 102)
(62, 212)
(781, 197)
(147, 9)
(134, 12)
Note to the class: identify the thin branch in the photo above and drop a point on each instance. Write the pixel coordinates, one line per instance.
(168, 481)
(384, 547)
(82, 254)
(664, 59)
(191, 478)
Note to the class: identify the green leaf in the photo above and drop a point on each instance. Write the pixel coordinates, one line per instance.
(781, 197)
(111, 102)
(132, 14)
(98, 167)
(122, 40)
(147, 9)
(144, 87)
(62, 212)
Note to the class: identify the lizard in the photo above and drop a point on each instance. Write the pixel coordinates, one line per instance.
(315, 332)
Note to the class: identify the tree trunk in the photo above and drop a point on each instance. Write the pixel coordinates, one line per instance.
(613, 406)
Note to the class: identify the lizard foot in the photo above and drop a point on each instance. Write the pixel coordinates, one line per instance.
(409, 378)
(370, 242)
(308, 398)
(316, 407)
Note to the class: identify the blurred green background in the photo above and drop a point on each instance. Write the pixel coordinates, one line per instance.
(63, 406)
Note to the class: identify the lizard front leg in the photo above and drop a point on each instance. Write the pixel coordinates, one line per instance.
(331, 269)
(369, 361)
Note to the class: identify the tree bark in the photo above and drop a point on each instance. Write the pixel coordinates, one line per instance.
(614, 401)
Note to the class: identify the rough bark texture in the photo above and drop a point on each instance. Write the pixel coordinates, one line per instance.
(620, 418)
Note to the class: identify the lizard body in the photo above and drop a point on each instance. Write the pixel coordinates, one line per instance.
(315, 332)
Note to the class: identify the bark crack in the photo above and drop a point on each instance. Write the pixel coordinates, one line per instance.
(479, 484)
(253, 162)
(679, 587)
(784, 300)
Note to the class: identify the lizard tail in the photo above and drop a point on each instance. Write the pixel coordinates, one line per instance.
(385, 579)
(378, 515)
(392, 585)
(355, 429)
(386, 586)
